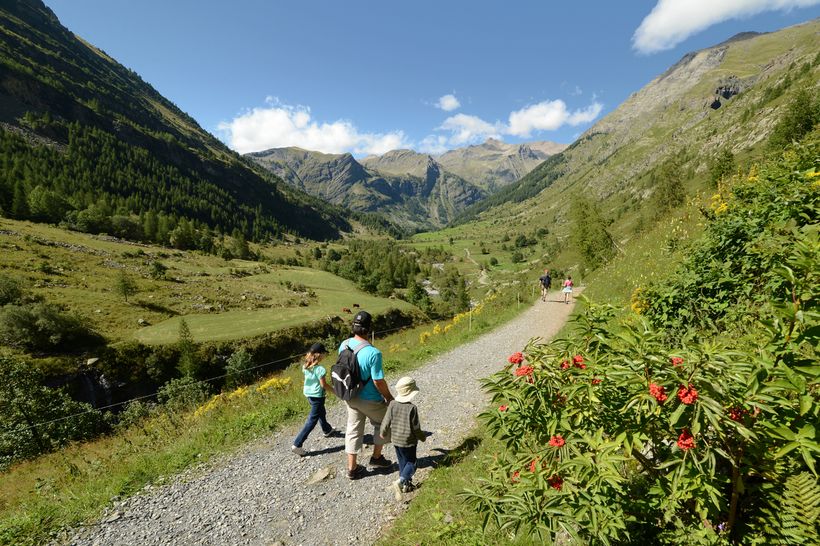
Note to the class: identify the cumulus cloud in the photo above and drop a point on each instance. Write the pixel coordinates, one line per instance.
(543, 116)
(672, 21)
(448, 103)
(466, 129)
(279, 126)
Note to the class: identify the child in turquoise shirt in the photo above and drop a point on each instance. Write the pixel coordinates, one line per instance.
(314, 390)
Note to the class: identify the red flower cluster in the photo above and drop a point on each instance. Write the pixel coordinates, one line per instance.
(503, 408)
(521, 371)
(736, 413)
(556, 482)
(516, 476)
(557, 441)
(687, 395)
(596, 381)
(578, 361)
(565, 364)
(516, 358)
(658, 392)
(686, 440)
(676, 360)
(533, 465)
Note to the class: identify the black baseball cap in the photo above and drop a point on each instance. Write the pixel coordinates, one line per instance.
(317, 348)
(363, 319)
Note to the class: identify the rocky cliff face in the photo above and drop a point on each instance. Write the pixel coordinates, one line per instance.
(495, 164)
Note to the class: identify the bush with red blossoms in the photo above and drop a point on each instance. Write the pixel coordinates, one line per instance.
(734, 330)
(686, 440)
(516, 358)
(557, 441)
(565, 364)
(524, 370)
(503, 408)
(687, 395)
(658, 392)
(676, 360)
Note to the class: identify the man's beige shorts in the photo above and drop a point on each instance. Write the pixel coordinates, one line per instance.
(357, 411)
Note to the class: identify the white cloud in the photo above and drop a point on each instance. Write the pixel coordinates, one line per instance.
(466, 129)
(279, 126)
(433, 144)
(543, 116)
(549, 116)
(672, 21)
(448, 103)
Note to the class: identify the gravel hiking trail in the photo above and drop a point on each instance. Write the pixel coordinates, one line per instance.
(264, 494)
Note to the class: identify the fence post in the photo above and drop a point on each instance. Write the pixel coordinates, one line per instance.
(518, 299)
(373, 337)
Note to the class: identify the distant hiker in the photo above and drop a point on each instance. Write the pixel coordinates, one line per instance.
(567, 289)
(314, 390)
(368, 402)
(401, 425)
(546, 282)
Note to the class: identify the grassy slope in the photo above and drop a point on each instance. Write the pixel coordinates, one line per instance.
(219, 299)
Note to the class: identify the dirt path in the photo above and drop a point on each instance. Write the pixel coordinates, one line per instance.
(263, 494)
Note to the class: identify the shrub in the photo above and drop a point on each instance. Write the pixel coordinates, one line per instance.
(44, 327)
(10, 290)
(691, 423)
(238, 369)
(35, 419)
(182, 394)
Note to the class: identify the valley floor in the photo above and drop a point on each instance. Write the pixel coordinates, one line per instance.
(265, 494)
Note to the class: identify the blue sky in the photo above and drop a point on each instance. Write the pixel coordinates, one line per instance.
(368, 76)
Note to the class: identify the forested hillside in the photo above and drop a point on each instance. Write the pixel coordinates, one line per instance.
(85, 142)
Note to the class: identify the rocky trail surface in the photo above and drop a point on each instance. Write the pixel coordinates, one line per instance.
(264, 494)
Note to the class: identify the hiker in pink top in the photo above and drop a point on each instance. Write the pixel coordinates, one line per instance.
(567, 289)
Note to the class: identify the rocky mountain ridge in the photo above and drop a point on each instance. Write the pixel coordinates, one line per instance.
(412, 189)
(417, 190)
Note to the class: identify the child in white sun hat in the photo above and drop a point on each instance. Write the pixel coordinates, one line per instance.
(401, 423)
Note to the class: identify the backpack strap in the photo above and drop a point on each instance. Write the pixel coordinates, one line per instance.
(361, 346)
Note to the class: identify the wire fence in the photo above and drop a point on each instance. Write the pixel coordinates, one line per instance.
(17, 430)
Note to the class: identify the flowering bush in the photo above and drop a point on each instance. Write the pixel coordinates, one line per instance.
(602, 454)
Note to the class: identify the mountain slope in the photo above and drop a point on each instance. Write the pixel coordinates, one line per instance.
(721, 100)
(495, 164)
(412, 189)
(90, 133)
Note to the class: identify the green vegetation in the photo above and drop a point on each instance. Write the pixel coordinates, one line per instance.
(153, 442)
(693, 423)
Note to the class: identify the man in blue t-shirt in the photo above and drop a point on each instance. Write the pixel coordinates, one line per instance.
(371, 402)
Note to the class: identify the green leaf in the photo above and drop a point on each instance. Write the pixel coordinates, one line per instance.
(675, 417)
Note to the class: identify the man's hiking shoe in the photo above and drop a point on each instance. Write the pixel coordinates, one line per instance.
(396, 486)
(298, 450)
(381, 462)
(356, 473)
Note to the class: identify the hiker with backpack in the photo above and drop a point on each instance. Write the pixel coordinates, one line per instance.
(314, 389)
(545, 281)
(358, 379)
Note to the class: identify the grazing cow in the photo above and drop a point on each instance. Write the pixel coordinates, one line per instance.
(355, 305)
(346, 310)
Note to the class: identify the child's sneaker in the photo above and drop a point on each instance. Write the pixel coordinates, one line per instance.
(330, 434)
(380, 462)
(356, 473)
(407, 487)
(397, 486)
(298, 450)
